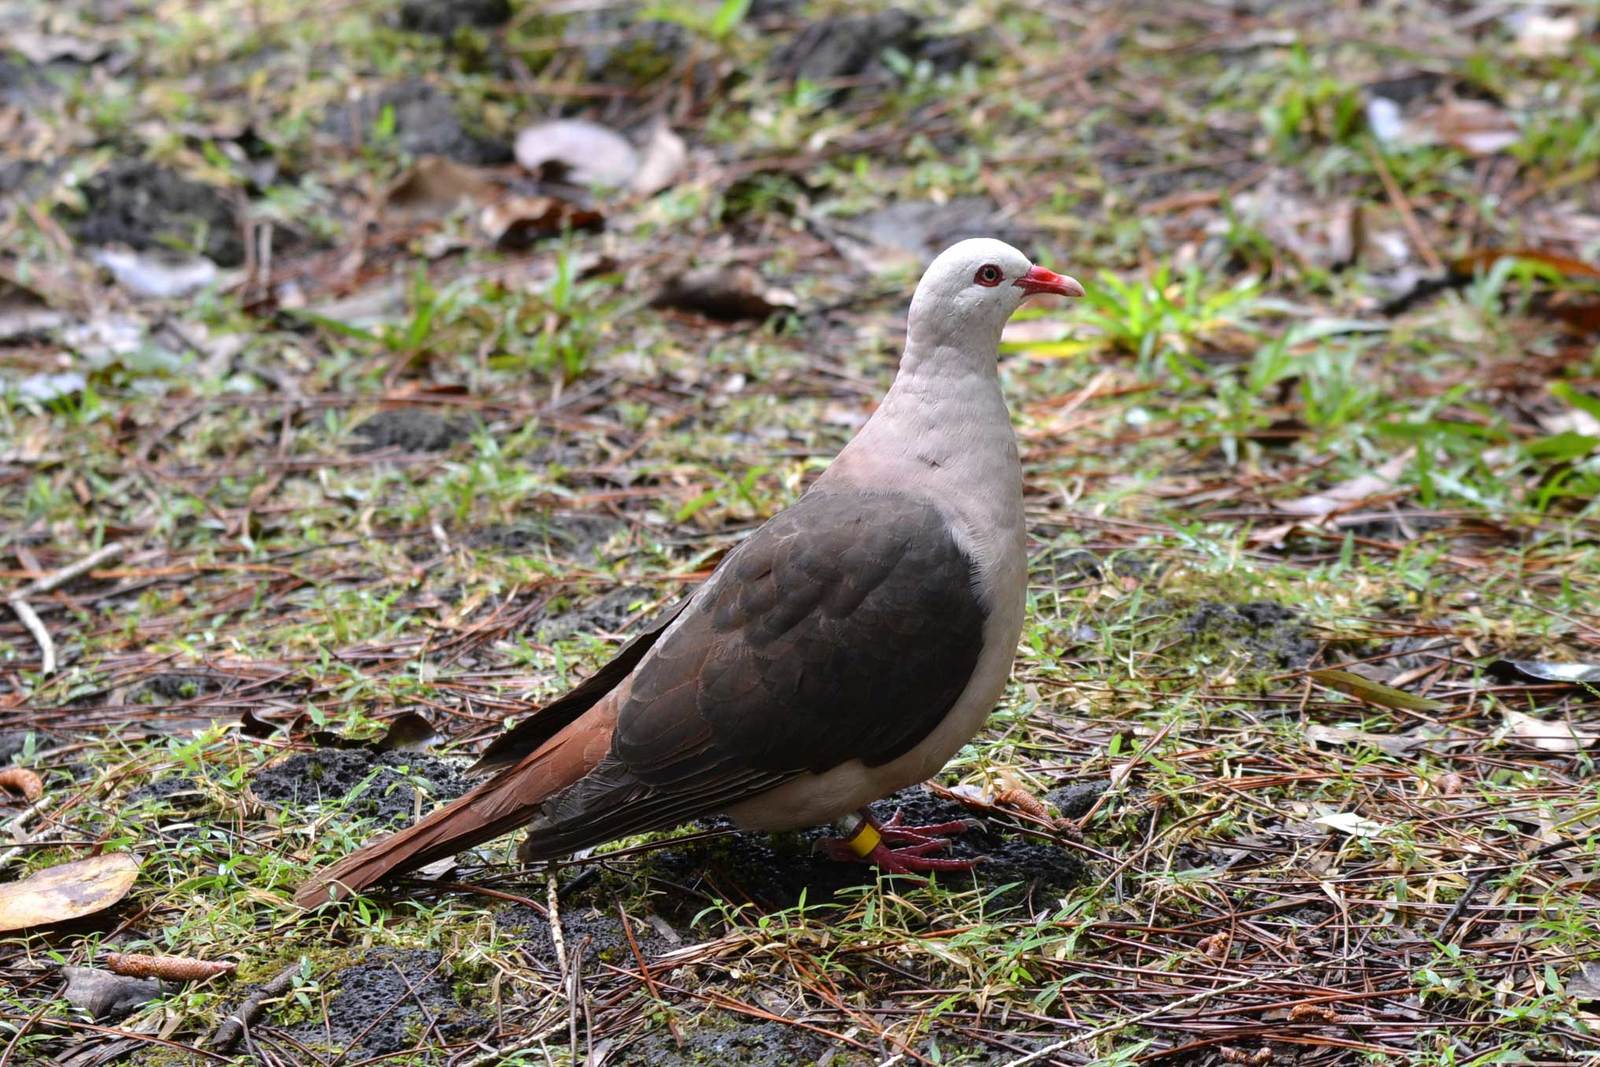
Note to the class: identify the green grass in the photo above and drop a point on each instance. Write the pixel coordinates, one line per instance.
(1270, 868)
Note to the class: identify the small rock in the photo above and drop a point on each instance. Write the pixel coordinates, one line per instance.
(426, 122)
(443, 18)
(146, 207)
(107, 996)
(412, 430)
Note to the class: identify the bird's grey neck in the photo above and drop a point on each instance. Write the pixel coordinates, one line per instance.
(944, 413)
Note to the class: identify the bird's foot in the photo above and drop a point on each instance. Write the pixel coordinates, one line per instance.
(895, 848)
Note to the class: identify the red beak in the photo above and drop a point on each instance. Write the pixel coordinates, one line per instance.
(1039, 280)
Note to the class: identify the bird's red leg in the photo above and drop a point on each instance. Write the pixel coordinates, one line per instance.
(894, 847)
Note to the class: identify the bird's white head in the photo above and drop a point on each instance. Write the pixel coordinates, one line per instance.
(969, 291)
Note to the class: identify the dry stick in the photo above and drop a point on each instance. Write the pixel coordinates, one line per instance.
(553, 916)
(1408, 217)
(1134, 1020)
(18, 601)
(232, 1028)
(649, 979)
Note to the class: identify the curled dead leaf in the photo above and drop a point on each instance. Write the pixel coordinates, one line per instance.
(584, 153)
(1549, 736)
(724, 293)
(662, 159)
(21, 780)
(67, 891)
(1311, 1013)
(517, 222)
(435, 187)
(104, 995)
(1351, 494)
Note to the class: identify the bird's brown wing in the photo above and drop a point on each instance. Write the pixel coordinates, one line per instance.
(510, 747)
(844, 629)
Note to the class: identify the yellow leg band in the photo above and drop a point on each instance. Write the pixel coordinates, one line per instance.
(865, 840)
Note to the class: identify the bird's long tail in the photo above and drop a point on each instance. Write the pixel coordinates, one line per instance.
(500, 805)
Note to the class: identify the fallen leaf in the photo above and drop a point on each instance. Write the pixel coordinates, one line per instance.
(436, 187)
(1477, 127)
(1339, 735)
(1538, 670)
(43, 48)
(1549, 736)
(1541, 36)
(24, 310)
(67, 891)
(106, 996)
(584, 153)
(662, 159)
(724, 293)
(516, 223)
(1483, 258)
(1349, 495)
(409, 732)
(1386, 696)
(157, 275)
(1348, 822)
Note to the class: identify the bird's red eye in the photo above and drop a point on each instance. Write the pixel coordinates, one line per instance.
(988, 274)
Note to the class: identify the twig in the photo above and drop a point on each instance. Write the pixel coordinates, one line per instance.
(1477, 882)
(18, 600)
(233, 1027)
(1408, 217)
(553, 916)
(649, 979)
(1134, 1020)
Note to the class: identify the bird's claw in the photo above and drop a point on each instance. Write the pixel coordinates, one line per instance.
(903, 849)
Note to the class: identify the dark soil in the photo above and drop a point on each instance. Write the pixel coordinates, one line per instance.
(853, 47)
(1269, 635)
(390, 1001)
(573, 535)
(444, 17)
(596, 934)
(724, 1038)
(426, 122)
(774, 871)
(609, 614)
(329, 774)
(411, 430)
(147, 206)
(1074, 801)
(174, 686)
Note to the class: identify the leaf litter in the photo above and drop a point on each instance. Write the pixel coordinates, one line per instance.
(1401, 491)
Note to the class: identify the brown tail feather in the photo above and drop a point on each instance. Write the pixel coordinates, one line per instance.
(505, 802)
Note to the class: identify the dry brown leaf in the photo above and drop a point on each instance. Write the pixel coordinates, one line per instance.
(584, 153)
(1474, 126)
(1349, 495)
(516, 223)
(21, 780)
(435, 187)
(67, 891)
(662, 159)
(725, 293)
(1338, 735)
(1549, 736)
